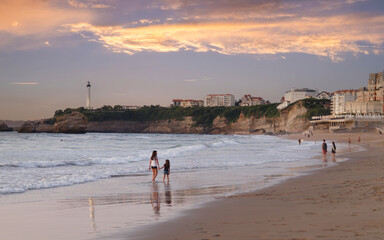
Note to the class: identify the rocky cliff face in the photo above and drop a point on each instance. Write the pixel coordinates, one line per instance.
(74, 122)
(291, 120)
(5, 128)
(69, 123)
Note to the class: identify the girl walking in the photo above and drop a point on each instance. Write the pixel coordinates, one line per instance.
(154, 164)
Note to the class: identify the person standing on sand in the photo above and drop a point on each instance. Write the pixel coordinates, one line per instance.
(358, 140)
(154, 164)
(333, 151)
(324, 148)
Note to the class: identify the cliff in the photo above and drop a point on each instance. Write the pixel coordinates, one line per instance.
(74, 122)
(290, 120)
(5, 128)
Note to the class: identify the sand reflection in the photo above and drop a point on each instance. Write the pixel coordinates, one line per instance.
(168, 194)
(155, 198)
(92, 214)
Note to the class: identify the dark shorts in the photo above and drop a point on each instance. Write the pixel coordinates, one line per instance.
(154, 167)
(324, 151)
(166, 172)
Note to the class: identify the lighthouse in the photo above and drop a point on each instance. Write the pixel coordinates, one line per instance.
(88, 104)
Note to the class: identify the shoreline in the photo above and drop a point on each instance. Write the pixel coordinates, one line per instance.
(343, 201)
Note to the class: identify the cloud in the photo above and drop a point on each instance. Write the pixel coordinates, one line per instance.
(87, 4)
(24, 83)
(197, 79)
(328, 37)
(26, 24)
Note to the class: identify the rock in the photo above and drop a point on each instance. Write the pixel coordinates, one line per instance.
(5, 128)
(28, 127)
(74, 122)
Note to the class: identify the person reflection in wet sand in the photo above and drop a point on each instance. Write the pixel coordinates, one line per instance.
(155, 198)
(168, 194)
(92, 213)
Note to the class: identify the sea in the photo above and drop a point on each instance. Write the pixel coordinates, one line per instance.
(40, 160)
(108, 173)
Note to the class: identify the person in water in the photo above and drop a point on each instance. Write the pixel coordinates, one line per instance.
(333, 151)
(166, 167)
(154, 164)
(324, 148)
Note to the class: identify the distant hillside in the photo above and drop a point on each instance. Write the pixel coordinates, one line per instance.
(12, 124)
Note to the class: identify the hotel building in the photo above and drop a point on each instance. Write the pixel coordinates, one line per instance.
(369, 100)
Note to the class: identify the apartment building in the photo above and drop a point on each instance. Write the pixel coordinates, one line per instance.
(294, 95)
(340, 99)
(216, 100)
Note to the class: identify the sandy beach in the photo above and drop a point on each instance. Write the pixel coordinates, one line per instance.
(345, 201)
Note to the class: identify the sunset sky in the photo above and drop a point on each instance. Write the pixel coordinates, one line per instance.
(147, 52)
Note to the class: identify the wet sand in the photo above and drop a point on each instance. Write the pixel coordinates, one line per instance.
(345, 201)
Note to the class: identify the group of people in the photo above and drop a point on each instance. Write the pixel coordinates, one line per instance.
(324, 147)
(154, 165)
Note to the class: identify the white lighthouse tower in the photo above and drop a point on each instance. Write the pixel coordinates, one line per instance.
(88, 104)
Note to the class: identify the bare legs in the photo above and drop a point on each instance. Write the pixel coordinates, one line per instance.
(167, 177)
(154, 172)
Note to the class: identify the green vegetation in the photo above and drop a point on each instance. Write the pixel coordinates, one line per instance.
(316, 107)
(203, 116)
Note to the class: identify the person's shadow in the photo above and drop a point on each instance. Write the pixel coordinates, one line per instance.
(155, 198)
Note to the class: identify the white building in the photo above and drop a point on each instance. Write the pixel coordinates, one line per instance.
(324, 95)
(297, 94)
(188, 103)
(340, 99)
(216, 100)
(248, 100)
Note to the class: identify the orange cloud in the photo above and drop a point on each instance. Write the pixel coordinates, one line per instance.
(327, 37)
(35, 19)
(24, 83)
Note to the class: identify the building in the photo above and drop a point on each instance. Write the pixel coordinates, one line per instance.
(340, 99)
(188, 103)
(130, 107)
(369, 100)
(248, 100)
(215, 100)
(324, 95)
(294, 95)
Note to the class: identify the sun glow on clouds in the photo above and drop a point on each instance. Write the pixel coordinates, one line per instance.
(24, 83)
(318, 36)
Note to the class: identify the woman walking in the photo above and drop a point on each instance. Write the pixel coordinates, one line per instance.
(154, 164)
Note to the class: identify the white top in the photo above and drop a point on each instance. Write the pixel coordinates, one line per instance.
(153, 162)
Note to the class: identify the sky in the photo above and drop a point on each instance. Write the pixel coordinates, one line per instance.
(149, 52)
